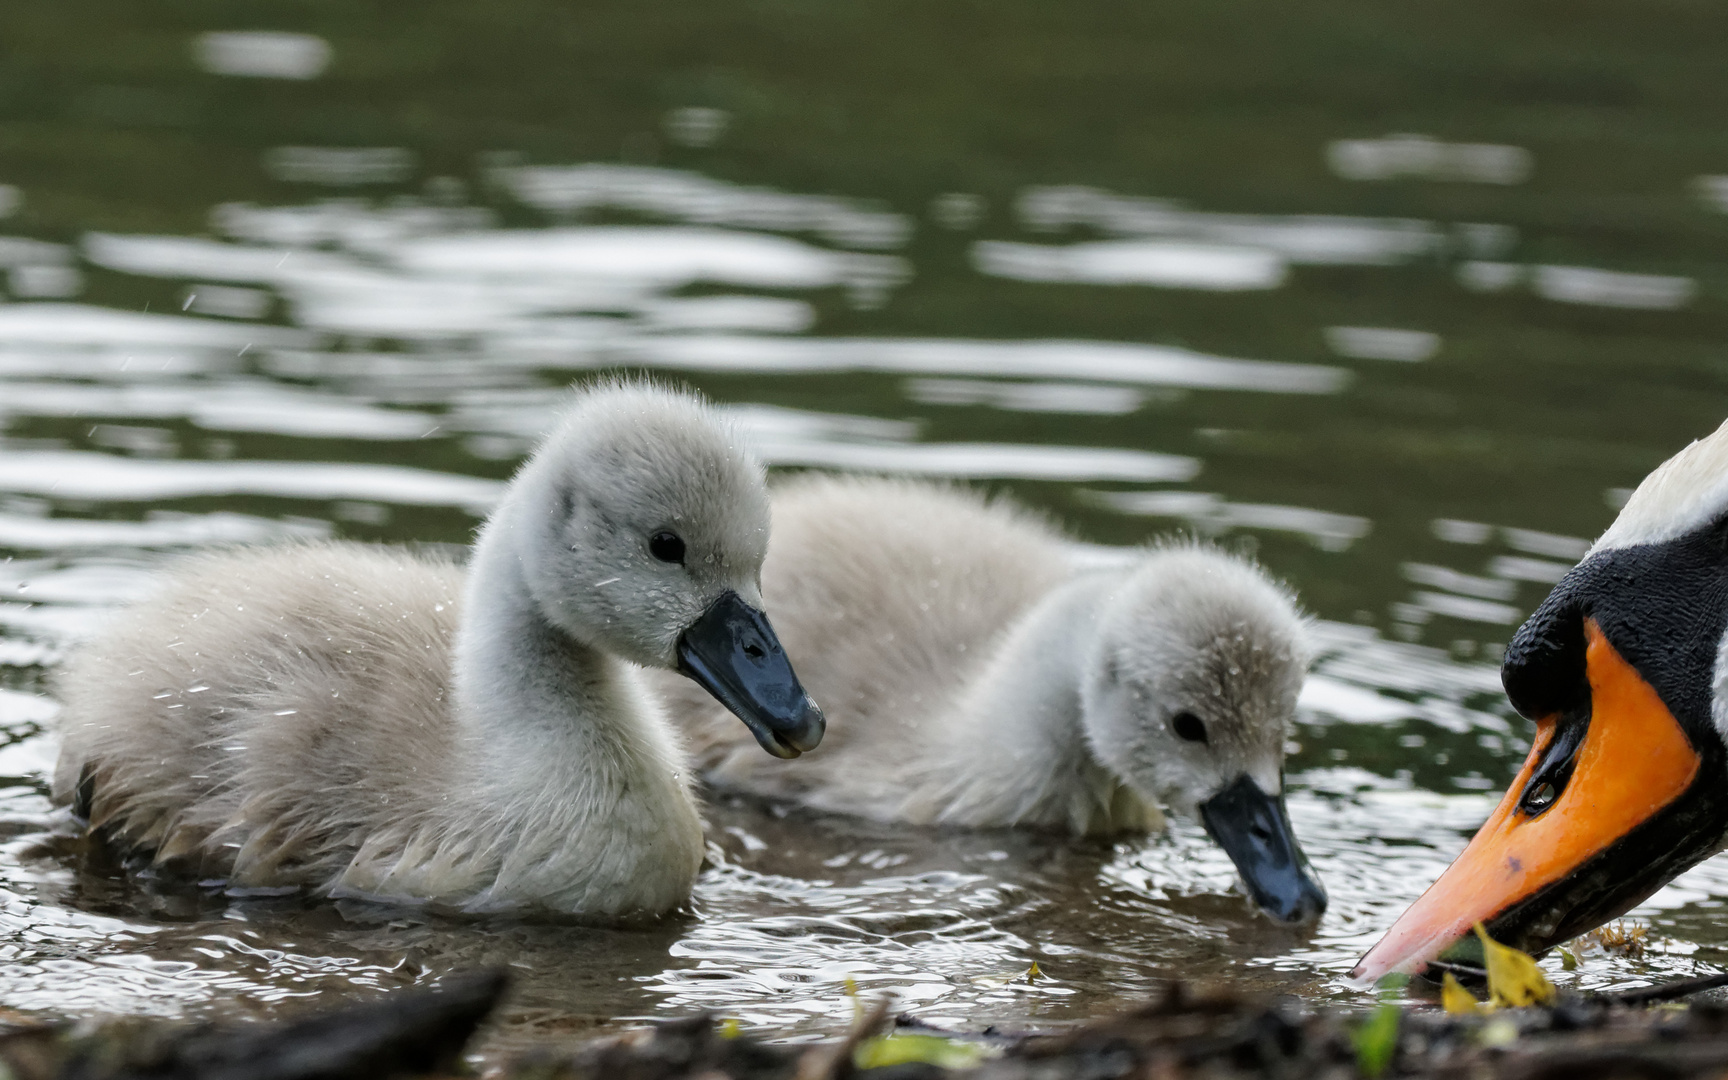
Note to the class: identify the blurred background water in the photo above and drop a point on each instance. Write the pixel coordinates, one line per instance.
(1402, 299)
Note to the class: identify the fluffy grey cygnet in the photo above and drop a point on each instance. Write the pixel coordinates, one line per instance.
(368, 721)
(975, 674)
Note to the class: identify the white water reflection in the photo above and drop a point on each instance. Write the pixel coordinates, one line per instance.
(697, 125)
(483, 281)
(1052, 397)
(1382, 343)
(988, 460)
(1213, 515)
(1608, 288)
(1318, 239)
(238, 406)
(85, 324)
(1444, 577)
(340, 166)
(355, 224)
(1582, 285)
(77, 475)
(1133, 262)
(116, 363)
(761, 314)
(567, 190)
(45, 282)
(161, 529)
(1424, 157)
(1529, 541)
(1521, 568)
(660, 258)
(1405, 680)
(1713, 190)
(1104, 361)
(226, 301)
(262, 54)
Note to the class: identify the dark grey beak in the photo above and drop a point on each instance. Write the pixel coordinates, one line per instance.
(732, 653)
(1253, 829)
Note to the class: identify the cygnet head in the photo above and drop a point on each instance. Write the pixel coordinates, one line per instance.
(1190, 688)
(639, 528)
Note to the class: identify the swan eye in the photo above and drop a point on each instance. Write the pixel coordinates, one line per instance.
(1188, 726)
(667, 547)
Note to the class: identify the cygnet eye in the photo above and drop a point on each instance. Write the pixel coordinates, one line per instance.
(667, 547)
(1188, 726)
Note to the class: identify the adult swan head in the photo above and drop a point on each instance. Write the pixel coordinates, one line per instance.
(1624, 669)
(363, 720)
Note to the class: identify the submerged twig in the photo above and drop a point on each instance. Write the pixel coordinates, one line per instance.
(1672, 991)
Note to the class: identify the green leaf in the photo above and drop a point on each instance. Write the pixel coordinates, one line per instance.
(902, 1048)
(1377, 1040)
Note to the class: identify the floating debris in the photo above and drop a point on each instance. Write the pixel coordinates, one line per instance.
(1629, 940)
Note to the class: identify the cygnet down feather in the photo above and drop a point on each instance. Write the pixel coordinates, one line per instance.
(370, 721)
(976, 673)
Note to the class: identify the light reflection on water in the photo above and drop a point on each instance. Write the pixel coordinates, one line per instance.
(374, 366)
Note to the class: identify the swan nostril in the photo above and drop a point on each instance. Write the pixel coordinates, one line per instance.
(1540, 798)
(754, 652)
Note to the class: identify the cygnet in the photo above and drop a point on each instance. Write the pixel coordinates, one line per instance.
(977, 673)
(378, 722)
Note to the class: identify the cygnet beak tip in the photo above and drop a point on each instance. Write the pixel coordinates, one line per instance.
(811, 727)
(1254, 829)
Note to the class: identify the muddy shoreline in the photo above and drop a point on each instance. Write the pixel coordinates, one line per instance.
(1183, 1031)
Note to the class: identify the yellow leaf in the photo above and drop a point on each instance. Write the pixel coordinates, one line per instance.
(902, 1048)
(1514, 980)
(1455, 998)
(851, 989)
(1033, 974)
(729, 1028)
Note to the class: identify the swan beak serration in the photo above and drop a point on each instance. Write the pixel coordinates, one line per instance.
(1590, 827)
(1254, 830)
(733, 653)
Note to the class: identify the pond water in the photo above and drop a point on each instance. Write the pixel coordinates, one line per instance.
(1400, 300)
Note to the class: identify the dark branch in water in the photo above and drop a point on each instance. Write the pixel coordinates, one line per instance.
(418, 1032)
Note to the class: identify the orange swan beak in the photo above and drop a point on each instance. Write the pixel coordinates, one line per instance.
(1634, 760)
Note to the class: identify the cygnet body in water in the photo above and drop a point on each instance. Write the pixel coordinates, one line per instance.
(976, 673)
(368, 721)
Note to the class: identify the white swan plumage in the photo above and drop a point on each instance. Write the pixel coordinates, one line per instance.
(371, 721)
(977, 673)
